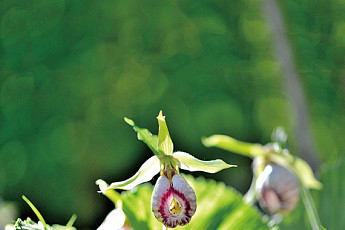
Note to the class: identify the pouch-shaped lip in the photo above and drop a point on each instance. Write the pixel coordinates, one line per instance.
(162, 197)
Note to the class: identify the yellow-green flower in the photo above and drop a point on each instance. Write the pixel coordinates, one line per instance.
(173, 200)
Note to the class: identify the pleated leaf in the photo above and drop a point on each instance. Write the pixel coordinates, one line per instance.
(218, 207)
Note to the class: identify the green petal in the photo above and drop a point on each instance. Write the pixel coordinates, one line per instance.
(165, 144)
(300, 167)
(144, 135)
(188, 162)
(233, 145)
(146, 172)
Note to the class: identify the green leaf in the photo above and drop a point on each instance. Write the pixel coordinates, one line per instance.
(218, 208)
(222, 208)
(188, 162)
(38, 214)
(165, 144)
(331, 198)
(233, 145)
(137, 208)
(146, 172)
(146, 136)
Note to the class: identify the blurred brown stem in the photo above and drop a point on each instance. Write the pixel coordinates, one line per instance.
(291, 83)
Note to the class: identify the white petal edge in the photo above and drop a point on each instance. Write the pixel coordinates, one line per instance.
(114, 220)
(188, 162)
(147, 171)
(161, 187)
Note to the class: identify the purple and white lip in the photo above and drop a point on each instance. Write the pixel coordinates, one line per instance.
(173, 202)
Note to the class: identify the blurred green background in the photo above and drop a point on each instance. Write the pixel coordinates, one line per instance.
(71, 70)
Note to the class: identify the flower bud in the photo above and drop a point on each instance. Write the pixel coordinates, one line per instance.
(278, 189)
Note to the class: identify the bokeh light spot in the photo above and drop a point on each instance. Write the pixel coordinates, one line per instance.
(272, 112)
(13, 163)
(16, 92)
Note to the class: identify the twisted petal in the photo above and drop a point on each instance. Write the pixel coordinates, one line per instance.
(188, 162)
(173, 203)
(148, 170)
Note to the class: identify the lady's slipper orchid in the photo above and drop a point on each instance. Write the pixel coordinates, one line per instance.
(278, 189)
(279, 178)
(173, 200)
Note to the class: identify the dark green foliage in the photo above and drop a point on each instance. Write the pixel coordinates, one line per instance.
(317, 34)
(70, 70)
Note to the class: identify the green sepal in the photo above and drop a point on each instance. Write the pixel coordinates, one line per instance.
(147, 171)
(233, 145)
(114, 196)
(146, 136)
(188, 162)
(165, 144)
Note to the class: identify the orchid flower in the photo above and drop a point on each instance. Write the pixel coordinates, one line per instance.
(173, 200)
(279, 178)
(277, 188)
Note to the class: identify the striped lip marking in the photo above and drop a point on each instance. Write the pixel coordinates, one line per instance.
(173, 203)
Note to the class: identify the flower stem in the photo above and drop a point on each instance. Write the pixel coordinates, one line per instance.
(71, 221)
(311, 209)
(250, 195)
